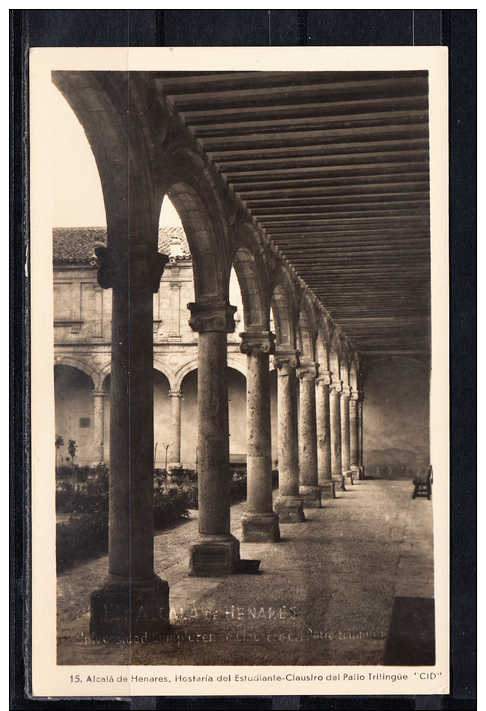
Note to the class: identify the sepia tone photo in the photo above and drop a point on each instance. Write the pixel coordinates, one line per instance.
(242, 354)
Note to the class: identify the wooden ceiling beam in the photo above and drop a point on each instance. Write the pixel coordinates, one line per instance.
(351, 106)
(337, 231)
(290, 92)
(338, 137)
(360, 198)
(313, 122)
(302, 182)
(393, 169)
(372, 211)
(379, 189)
(190, 81)
(318, 161)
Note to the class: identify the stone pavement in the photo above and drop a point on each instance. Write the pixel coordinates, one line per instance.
(323, 596)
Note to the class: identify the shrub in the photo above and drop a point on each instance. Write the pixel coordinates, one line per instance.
(92, 498)
(85, 534)
(79, 538)
(170, 507)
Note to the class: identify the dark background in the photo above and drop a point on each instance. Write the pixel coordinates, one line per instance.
(456, 29)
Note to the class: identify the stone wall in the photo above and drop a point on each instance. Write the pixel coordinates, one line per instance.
(396, 419)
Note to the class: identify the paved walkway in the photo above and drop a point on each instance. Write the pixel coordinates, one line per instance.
(323, 596)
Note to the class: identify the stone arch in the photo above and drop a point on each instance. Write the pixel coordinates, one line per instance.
(190, 189)
(251, 272)
(306, 331)
(353, 374)
(127, 147)
(182, 372)
(105, 372)
(162, 368)
(79, 364)
(345, 364)
(235, 362)
(284, 308)
(322, 355)
(335, 358)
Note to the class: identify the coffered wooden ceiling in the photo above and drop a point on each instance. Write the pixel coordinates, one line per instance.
(334, 167)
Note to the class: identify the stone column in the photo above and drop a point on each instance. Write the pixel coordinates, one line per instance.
(133, 600)
(175, 321)
(98, 426)
(175, 447)
(345, 428)
(335, 420)
(324, 435)
(353, 430)
(215, 551)
(360, 435)
(260, 522)
(288, 505)
(309, 489)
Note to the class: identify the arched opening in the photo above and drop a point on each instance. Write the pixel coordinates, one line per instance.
(281, 319)
(74, 169)
(162, 419)
(237, 416)
(189, 432)
(235, 299)
(74, 413)
(207, 262)
(334, 364)
(249, 270)
(322, 352)
(305, 341)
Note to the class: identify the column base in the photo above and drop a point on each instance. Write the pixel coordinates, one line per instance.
(349, 474)
(311, 497)
(327, 490)
(360, 472)
(260, 528)
(214, 556)
(173, 465)
(125, 609)
(290, 509)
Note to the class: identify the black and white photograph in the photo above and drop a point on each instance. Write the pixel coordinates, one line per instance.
(239, 371)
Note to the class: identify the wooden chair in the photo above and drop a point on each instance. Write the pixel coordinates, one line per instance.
(423, 485)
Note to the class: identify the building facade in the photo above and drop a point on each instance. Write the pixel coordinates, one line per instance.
(82, 322)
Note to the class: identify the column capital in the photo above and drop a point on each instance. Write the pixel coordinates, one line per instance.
(286, 360)
(212, 316)
(175, 393)
(145, 265)
(98, 393)
(324, 377)
(354, 395)
(255, 342)
(336, 386)
(346, 391)
(307, 371)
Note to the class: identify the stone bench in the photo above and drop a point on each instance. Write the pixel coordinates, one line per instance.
(423, 485)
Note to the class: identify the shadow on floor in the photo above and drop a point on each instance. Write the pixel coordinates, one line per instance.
(411, 634)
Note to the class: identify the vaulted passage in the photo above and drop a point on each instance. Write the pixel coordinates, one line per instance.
(312, 190)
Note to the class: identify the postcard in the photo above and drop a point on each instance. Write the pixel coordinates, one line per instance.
(239, 270)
